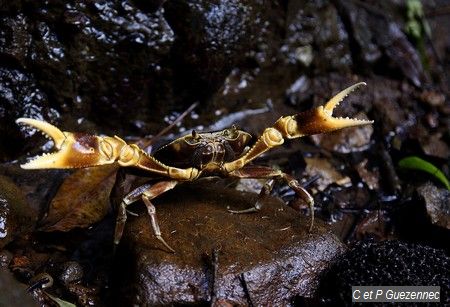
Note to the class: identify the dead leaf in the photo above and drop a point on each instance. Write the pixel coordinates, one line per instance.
(327, 173)
(82, 199)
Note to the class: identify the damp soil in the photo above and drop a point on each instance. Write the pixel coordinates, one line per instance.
(131, 68)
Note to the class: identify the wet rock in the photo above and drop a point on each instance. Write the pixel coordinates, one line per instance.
(400, 51)
(341, 207)
(15, 39)
(374, 35)
(15, 215)
(213, 37)
(13, 292)
(434, 145)
(375, 225)
(76, 53)
(101, 37)
(5, 258)
(437, 202)
(132, 62)
(71, 272)
(315, 23)
(385, 263)
(270, 251)
(20, 96)
(86, 296)
(433, 98)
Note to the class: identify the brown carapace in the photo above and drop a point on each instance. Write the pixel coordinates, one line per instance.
(224, 153)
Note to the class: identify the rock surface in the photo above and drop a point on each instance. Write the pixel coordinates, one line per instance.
(385, 263)
(270, 253)
(16, 217)
(437, 202)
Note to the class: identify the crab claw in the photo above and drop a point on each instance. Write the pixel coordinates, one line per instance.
(319, 120)
(74, 150)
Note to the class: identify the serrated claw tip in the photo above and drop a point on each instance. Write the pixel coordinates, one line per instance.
(56, 135)
(334, 102)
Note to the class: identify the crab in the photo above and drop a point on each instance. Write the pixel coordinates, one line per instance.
(222, 153)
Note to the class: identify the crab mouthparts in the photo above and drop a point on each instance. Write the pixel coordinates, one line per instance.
(342, 122)
(47, 160)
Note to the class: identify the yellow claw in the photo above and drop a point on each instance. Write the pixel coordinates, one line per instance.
(57, 135)
(334, 102)
(74, 150)
(319, 120)
(341, 122)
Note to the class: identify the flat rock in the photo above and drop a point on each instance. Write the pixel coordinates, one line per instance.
(262, 257)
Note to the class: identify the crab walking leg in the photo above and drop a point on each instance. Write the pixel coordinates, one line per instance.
(266, 189)
(160, 188)
(130, 198)
(318, 120)
(267, 172)
(146, 192)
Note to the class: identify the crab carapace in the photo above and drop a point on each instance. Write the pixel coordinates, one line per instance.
(223, 153)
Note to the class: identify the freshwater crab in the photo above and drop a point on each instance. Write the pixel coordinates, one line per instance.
(223, 153)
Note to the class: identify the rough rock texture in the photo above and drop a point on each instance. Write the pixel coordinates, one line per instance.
(13, 292)
(271, 250)
(385, 263)
(437, 202)
(127, 62)
(15, 215)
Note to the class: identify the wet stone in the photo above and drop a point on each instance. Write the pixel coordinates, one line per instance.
(385, 263)
(270, 253)
(72, 272)
(20, 96)
(16, 218)
(437, 202)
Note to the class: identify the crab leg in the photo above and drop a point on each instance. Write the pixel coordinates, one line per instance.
(78, 150)
(145, 192)
(254, 171)
(310, 122)
(265, 191)
(129, 199)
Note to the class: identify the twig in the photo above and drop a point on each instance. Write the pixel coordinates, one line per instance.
(168, 128)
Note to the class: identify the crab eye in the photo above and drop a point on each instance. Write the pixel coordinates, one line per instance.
(230, 133)
(193, 139)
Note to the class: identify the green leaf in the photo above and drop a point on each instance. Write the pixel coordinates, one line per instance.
(419, 164)
(60, 302)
